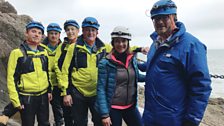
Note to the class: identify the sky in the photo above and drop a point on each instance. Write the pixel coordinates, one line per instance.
(203, 19)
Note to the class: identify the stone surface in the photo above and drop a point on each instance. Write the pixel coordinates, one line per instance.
(12, 28)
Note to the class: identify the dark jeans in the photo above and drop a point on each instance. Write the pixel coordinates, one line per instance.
(131, 116)
(56, 104)
(35, 106)
(80, 107)
(67, 113)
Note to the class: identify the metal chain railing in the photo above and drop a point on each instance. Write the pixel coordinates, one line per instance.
(211, 75)
(217, 76)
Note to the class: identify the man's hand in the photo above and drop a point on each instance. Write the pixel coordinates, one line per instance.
(67, 100)
(20, 107)
(49, 97)
(145, 50)
(106, 121)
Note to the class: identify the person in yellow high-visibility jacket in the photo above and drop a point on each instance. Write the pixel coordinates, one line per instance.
(27, 78)
(51, 43)
(71, 28)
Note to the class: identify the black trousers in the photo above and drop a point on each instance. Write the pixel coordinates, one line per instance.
(80, 107)
(56, 104)
(59, 110)
(35, 106)
(67, 113)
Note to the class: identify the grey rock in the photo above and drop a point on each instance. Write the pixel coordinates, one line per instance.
(6, 7)
(12, 28)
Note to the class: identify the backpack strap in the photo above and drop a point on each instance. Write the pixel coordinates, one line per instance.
(75, 53)
(63, 46)
(25, 55)
(62, 56)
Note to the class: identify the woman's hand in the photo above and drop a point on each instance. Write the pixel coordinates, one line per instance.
(106, 121)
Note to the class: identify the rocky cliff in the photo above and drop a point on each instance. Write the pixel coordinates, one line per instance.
(12, 27)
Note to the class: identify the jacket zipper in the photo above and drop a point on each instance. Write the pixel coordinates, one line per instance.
(127, 86)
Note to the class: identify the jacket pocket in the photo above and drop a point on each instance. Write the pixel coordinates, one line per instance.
(162, 102)
(170, 62)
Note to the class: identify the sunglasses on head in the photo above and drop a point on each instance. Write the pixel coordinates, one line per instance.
(91, 22)
(156, 7)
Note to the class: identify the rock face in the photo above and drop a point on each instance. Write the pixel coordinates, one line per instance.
(12, 28)
(6, 7)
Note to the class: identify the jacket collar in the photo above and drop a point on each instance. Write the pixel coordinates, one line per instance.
(25, 46)
(46, 41)
(112, 58)
(98, 42)
(174, 38)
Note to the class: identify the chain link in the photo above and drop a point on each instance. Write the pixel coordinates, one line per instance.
(211, 75)
(217, 76)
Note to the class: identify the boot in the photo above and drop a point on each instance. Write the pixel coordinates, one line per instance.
(3, 120)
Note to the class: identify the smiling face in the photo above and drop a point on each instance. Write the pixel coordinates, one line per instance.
(120, 44)
(34, 36)
(164, 25)
(89, 34)
(72, 32)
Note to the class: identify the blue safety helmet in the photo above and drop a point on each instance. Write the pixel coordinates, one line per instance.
(54, 27)
(90, 22)
(163, 7)
(35, 24)
(72, 23)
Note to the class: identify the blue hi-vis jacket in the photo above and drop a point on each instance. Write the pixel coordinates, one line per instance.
(178, 83)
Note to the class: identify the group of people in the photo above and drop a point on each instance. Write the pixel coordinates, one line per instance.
(83, 73)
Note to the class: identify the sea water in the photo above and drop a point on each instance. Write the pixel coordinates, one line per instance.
(215, 60)
(216, 67)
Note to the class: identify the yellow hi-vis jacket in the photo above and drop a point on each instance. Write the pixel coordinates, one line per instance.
(59, 59)
(80, 67)
(27, 73)
(51, 61)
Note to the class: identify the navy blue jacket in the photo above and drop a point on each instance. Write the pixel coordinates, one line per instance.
(178, 83)
(107, 82)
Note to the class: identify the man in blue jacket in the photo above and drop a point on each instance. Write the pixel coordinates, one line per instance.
(178, 83)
